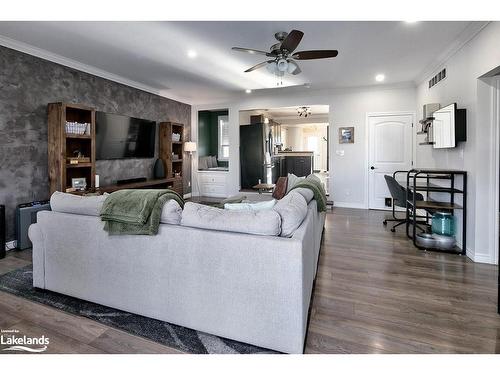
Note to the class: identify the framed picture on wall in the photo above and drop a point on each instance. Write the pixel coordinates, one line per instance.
(346, 134)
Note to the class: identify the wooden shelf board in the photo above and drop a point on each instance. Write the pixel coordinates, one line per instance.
(78, 136)
(138, 185)
(436, 189)
(79, 165)
(437, 205)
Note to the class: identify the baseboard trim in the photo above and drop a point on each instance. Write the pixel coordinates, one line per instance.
(480, 258)
(349, 205)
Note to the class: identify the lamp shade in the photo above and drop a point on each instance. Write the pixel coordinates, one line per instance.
(190, 146)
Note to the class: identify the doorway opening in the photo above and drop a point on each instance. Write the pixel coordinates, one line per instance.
(275, 142)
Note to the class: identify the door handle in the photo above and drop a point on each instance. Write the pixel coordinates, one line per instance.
(372, 168)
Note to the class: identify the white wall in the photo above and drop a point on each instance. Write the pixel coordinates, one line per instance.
(348, 107)
(295, 138)
(477, 156)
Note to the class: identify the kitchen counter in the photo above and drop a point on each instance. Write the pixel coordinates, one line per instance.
(300, 163)
(295, 153)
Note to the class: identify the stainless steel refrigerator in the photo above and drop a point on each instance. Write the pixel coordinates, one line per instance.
(256, 147)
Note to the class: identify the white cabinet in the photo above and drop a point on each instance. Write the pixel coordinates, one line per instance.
(212, 184)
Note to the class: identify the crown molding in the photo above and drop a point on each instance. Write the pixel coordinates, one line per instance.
(61, 60)
(465, 37)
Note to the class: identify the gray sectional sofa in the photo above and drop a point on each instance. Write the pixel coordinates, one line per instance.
(252, 288)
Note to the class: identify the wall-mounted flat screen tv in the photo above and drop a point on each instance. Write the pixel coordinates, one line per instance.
(120, 137)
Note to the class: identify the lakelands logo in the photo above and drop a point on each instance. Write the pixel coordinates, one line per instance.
(23, 343)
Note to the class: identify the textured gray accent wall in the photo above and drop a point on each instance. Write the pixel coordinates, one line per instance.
(27, 85)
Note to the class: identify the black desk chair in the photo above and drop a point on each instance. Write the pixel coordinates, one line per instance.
(398, 194)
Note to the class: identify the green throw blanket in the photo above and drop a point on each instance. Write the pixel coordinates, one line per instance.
(314, 184)
(136, 211)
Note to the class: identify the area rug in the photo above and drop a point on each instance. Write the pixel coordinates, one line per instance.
(20, 283)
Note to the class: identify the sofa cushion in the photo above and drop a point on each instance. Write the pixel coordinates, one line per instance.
(77, 204)
(292, 210)
(266, 223)
(171, 213)
(254, 206)
(308, 194)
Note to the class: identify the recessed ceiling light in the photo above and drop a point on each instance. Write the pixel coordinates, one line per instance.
(248, 91)
(379, 77)
(192, 54)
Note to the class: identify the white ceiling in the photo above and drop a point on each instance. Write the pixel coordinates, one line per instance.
(153, 55)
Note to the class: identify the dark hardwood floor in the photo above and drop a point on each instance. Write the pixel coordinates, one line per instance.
(375, 293)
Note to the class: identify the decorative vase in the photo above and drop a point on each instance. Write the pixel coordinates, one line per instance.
(159, 169)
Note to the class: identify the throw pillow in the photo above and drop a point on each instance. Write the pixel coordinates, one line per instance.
(280, 188)
(292, 180)
(202, 162)
(214, 162)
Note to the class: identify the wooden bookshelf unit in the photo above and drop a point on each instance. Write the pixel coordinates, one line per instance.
(64, 146)
(171, 152)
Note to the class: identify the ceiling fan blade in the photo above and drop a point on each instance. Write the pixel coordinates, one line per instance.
(292, 40)
(251, 51)
(315, 54)
(296, 70)
(258, 66)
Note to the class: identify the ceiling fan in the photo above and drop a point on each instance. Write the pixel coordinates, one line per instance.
(282, 54)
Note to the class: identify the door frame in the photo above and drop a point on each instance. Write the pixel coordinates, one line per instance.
(368, 149)
(495, 119)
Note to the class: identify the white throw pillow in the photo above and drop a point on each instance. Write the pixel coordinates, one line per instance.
(265, 223)
(291, 181)
(292, 210)
(257, 206)
(77, 204)
(171, 213)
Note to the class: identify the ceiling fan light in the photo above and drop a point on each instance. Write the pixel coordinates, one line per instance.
(291, 68)
(271, 67)
(282, 65)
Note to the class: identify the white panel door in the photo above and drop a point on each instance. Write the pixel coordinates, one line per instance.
(390, 150)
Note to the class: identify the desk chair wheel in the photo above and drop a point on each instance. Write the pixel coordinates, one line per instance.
(393, 230)
(384, 222)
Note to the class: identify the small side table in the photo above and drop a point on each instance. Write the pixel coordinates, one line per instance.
(264, 188)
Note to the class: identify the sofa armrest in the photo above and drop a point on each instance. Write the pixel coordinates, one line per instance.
(36, 236)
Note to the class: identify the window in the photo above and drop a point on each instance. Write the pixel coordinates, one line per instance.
(223, 126)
